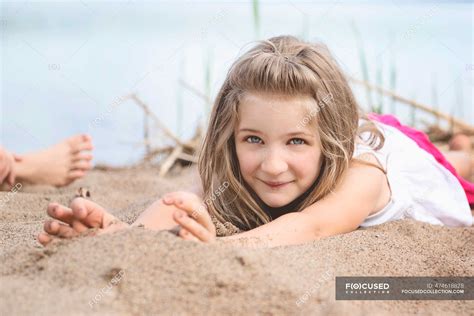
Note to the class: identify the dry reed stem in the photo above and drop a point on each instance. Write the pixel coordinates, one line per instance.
(461, 124)
(169, 162)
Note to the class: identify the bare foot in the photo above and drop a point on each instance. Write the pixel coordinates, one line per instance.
(58, 165)
(460, 155)
(83, 217)
(460, 142)
(461, 161)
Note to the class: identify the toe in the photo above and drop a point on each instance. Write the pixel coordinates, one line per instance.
(85, 156)
(83, 147)
(460, 142)
(76, 140)
(76, 174)
(80, 143)
(82, 165)
(86, 138)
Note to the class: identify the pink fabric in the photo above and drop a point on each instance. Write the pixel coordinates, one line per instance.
(423, 141)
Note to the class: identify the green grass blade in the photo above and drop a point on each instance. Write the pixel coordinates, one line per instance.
(256, 17)
(393, 77)
(434, 95)
(379, 83)
(179, 97)
(208, 81)
(363, 64)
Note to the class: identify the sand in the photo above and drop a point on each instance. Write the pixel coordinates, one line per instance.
(144, 272)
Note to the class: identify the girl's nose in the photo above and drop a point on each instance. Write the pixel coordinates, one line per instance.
(274, 164)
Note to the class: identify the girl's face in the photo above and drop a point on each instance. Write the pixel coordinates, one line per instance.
(279, 151)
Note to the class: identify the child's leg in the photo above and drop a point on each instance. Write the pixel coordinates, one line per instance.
(460, 155)
(157, 216)
(460, 142)
(461, 161)
(57, 165)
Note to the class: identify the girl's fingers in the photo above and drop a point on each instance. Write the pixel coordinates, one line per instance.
(186, 235)
(44, 238)
(193, 206)
(79, 227)
(174, 197)
(88, 212)
(193, 227)
(60, 212)
(169, 198)
(199, 213)
(65, 215)
(58, 229)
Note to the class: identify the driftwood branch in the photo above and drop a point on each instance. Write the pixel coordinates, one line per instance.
(195, 91)
(149, 113)
(188, 157)
(169, 162)
(184, 151)
(455, 121)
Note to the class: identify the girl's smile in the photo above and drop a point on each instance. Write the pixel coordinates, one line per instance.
(275, 184)
(279, 157)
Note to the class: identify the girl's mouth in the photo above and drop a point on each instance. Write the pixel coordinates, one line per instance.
(275, 184)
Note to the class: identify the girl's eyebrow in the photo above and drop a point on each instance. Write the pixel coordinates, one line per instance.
(249, 130)
(289, 134)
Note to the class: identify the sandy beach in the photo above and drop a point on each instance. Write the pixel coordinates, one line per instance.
(144, 272)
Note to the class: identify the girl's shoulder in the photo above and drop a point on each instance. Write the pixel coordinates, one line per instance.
(370, 160)
(359, 194)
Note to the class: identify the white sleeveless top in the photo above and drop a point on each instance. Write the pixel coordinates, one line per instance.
(421, 188)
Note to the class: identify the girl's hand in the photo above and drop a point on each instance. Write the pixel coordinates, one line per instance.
(82, 215)
(193, 216)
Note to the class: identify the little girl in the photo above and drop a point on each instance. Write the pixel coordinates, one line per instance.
(288, 158)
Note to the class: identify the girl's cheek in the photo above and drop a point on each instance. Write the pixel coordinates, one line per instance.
(306, 163)
(249, 160)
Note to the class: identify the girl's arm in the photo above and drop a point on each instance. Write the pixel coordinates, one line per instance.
(339, 212)
(159, 216)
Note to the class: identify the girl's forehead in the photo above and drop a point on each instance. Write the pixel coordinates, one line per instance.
(265, 105)
(264, 111)
(264, 96)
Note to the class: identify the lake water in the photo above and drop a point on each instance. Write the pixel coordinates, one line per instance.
(66, 64)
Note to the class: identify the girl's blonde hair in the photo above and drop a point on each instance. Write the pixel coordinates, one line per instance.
(289, 66)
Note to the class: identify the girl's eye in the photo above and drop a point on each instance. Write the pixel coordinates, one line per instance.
(253, 140)
(297, 141)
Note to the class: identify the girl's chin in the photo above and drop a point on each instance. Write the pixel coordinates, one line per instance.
(276, 205)
(276, 202)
